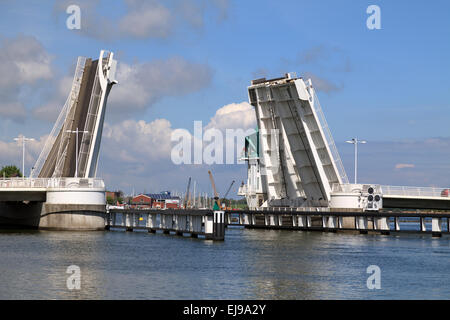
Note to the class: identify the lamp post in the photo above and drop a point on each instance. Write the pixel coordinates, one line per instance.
(76, 148)
(23, 139)
(355, 141)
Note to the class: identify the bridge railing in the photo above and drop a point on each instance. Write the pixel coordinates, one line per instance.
(404, 191)
(347, 188)
(51, 183)
(329, 138)
(415, 191)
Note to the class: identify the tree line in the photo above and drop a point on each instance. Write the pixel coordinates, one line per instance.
(10, 171)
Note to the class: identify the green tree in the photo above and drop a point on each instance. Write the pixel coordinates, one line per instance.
(110, 200)
(10, 172)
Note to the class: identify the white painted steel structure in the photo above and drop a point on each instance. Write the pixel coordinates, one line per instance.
(90, 116)
(297, 164)
(76, 132)
(297, 153)
(90, 142)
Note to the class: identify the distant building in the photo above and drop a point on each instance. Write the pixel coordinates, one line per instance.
(163, 200)
(141, 201)
(115, 196)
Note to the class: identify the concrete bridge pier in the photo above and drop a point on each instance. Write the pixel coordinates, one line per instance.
(81, 209)
(436, 227)
(53, 204)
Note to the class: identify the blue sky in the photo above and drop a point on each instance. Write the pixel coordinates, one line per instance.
(388, 86)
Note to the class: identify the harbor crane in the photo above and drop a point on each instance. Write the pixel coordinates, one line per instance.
(216, 195)
(186, 196)
(228, 191)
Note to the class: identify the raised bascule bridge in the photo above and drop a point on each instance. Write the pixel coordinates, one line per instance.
(63, 191)
(294, 165)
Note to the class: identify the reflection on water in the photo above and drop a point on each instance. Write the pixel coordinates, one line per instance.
(250, 264)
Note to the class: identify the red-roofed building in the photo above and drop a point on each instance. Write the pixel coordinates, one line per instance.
(162, 200)
(141, 201)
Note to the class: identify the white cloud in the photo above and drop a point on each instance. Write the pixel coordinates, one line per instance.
(50, 110)
(138, 141)
(142, 84)
(235, 121)
(147, 19)
(143, 19)
(234, 116)
(134, 141)
(141, 152)
(404, 165)
(23, 62)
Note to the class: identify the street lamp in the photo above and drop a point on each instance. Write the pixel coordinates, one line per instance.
(23, 139)
(76, 148)
(355, 141)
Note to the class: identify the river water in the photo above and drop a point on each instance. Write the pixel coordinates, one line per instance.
(249, 264)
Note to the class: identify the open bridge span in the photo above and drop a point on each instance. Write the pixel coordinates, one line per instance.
(293, 161)
(62, 191)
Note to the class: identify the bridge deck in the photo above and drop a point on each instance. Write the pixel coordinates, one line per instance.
(383, 222)
(35, 189)
(416, 197)
(23, 194)
(416, 202)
